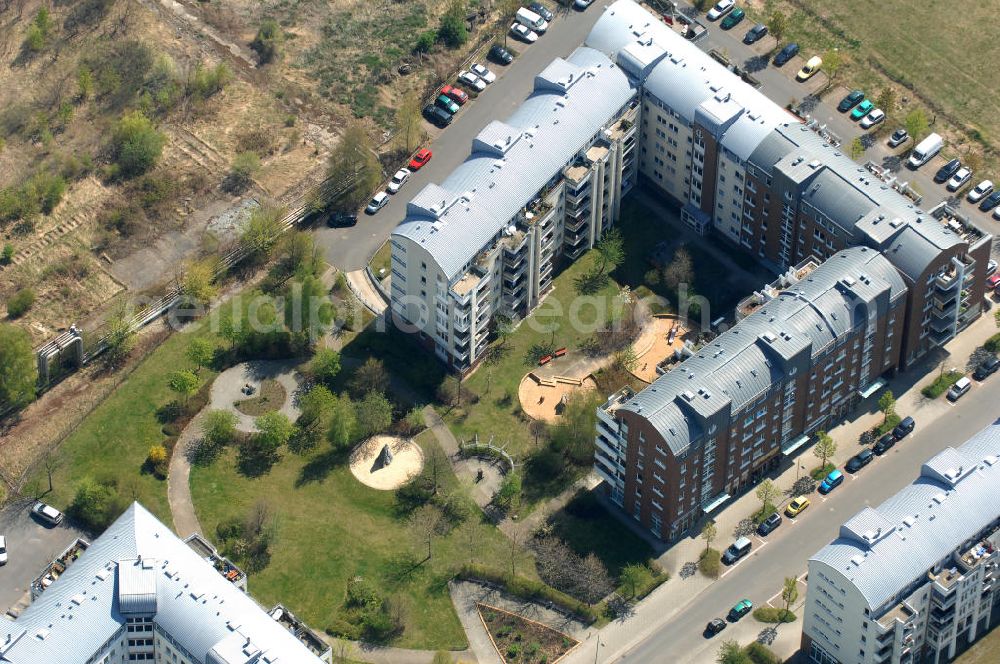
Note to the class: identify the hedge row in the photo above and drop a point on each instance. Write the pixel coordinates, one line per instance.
(528, 589)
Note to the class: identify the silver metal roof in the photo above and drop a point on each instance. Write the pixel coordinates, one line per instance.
(742, 363)
(512, 160)
(139, 566)
(882, 550)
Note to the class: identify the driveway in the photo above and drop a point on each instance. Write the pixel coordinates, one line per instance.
(30, 547)
(350, 248)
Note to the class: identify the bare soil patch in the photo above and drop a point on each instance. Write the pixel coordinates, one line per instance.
(269, 397)
(407, 462)
(518, 639)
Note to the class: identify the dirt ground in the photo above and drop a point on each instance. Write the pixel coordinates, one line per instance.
(407, 462)
(542, 401)
(654, 341)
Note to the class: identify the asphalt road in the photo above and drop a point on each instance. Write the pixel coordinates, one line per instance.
(351, 248)
(758, 577)
(30, 547)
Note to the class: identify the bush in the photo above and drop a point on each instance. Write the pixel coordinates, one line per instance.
(136, 145)
(362, 593)
(529, 590)
(767, 614)
(96, 504)
(888, 425)
(241, 173)
(157, 460)
(761, 654)
(993, 343)
(8, 254)
(20, 303)
(820, 472)
(425, 41)
(941, 384)
(268, 41)
(710, 563)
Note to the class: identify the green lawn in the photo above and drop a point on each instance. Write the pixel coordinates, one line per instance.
(335, 528)
(381, 260)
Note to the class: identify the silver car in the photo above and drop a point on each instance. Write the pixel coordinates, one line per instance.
(47, 513)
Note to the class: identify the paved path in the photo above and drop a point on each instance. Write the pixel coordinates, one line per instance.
(227, 389)
(361, 285)
(179, 480)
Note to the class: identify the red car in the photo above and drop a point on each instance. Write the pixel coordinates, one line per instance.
(457, 95)
(422, 157)
(993, 282)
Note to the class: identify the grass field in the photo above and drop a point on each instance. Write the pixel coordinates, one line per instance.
(334, 528)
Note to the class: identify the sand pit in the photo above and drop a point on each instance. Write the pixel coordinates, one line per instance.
(369, 467)
(540, 397)
(653, 347)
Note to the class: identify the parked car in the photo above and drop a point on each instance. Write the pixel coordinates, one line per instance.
(422, 156)
(501, 55)
(991, 267)
(859, 461)
(721, 8)
(810, 68)
(960, 178)
(736, 550)
(795, 507)
(989, 203)
(398, 180)
(740, 609)
(47, 513)
(735, 18)
(862, 109)
(981, 190)
(524, 33)
(437, 115)
(3, 551)
(377, 202)
(484, 74)
(541, 10)
(993, 282)
(457, 95)
(531, 20)
(898, 137)
(582, 4)
(834, 479)
(884, 444)
(996, 213)
(446, 102)
(904, 428)
(946, 171)
(872, 119)
(755, 34)
(852, 99)
(925, 150)
(715, 626)
(769, 524)
(986, 368)
(959, 389)
(471, 80)
(786, 54)
(342, 220)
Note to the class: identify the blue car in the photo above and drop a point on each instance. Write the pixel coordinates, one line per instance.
(832, 481)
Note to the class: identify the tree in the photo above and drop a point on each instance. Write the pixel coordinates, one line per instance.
(731, 653)
(308, 311)
(219, 427)
(353, 171)
(451, 30)
(241, 173)
(626, 359)
(916, 124)
(611, 248)
(262, 230)
(425, 41)
(299, 255)
(887, 404)
(200, 352)
(574, 434)
(790, 591)
(449, 392)
(18, 369)
(136, 145)
(374, 414)
(833, 62)
(315, 407)
(52, 462)
(409, 123)
(708, 533)
(510, 490)
(268, 41)
(273, 429)
(594, 581)
(767, 493)
(325, 365)
(196, 285)
(680, 270)
(886, 100)
(20, 303)
(95, 504)
(631, 576)
(426, 522)
(857, 148)
(120, 337)
(343, 423)
(84, 82)
(777, 23)
(825, 447)
(369, 377)
(184, 383)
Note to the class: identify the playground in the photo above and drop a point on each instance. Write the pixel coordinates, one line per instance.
(386, 462)
(662, 338)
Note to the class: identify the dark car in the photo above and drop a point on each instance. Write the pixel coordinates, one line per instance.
(859, 461)
(541, 10)
(986, 368)
(735, 18)
(341, 220)
(714, 627)
(501, 55)
(436, 115)
(755, 34)
(786, 54)
(740, 609)
(945, 172)
(990, 202)
(905, 426)
(769, 524)
(737, 550)
(884, 444)
(852, 99)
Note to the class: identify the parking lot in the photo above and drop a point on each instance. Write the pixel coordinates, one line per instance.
(30, 547)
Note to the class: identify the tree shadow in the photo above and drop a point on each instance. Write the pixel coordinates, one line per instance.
(892, 163)
(755, 64)
(809, 103)
(252, 461)
(319, 467)
(868, 140)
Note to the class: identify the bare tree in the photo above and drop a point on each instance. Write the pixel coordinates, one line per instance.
(52, 461)
(426, 522)
(708, 533)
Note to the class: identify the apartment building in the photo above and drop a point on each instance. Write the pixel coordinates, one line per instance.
(538, 187)
(138, 593)
(805, 351)
(912, 580)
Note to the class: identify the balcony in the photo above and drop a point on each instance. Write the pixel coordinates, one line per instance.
(947, 280)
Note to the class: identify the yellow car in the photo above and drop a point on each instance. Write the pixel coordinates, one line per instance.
(807, 72)
(798, 504)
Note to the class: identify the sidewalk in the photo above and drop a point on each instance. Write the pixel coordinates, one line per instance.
(674, 595)
(365, 291)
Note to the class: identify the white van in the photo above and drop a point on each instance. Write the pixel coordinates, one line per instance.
(961, 386)
(531, 20)
(926, 150)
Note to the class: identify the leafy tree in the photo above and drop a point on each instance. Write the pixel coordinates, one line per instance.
(308, 311)
(268, 41)
(200, 352)
(96, 504)
(611, 248)
(299, 255)
(857, 148)
(425, 41)
(315, 408)
(790, 591)
(777, 24)
(343, 423)
(631, 576)
(833, 63)
(369, 377)
(709, 533)
(197, 285)
(18, 369)
(409, 123)
(731, 653)
(120, 337)
(451, 30)
(136, 145)
(825, 447)
(374, 414)
(262, 230)
(242, 171)
(353, 172)
(219, 427)
(20, 303)
(887, 404)
(574, 434)
(325, 366)
(273, 429)
(916, 124)
(886, 100)
(184, 383)
(767, 493)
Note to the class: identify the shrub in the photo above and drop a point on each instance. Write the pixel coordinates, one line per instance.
(993, 343)
(425, 41)
(710, 563)
(941, 384)
(8, 254)
(204, 82)
(766, 614)
(820, 472)
(268, 41)
(136, 145)
(96, 504)
(761, 654)
(529, 590)
(157, 460)
(20, 303)
(362, 593)
(245, 166)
